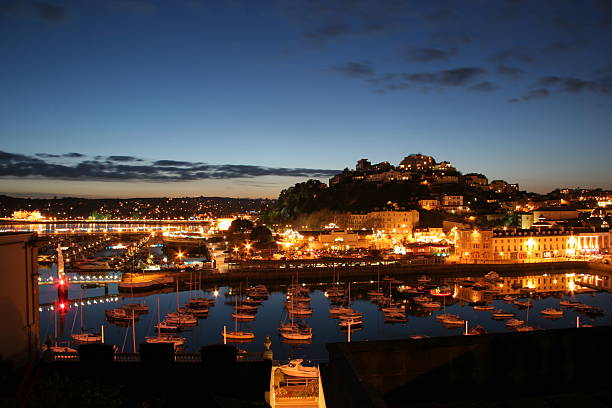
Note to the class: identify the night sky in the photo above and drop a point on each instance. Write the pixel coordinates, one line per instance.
(243, 98)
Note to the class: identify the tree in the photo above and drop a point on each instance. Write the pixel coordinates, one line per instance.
(240, 225)
(262, 234)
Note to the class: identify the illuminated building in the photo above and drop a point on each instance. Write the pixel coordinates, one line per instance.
(27, 215)
(522, 246)
(476, 180)
(417, 162)
(394, 222)
(429, 204)
(501, 186)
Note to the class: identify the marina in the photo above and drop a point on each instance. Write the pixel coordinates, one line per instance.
(320, 312)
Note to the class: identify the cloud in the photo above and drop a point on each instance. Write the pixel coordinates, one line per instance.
(429, 54)
(353, 69)
(532, 94)
(485, 86)
(51, 13)
(577, 85)
(19, 165)
(448, 77)
(324, 20)
(123, 159)
(563, 47)
(72, 155)
(511, 72)
(166, 163)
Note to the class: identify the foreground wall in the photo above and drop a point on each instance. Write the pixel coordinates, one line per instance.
(19, 325)
(495, 366)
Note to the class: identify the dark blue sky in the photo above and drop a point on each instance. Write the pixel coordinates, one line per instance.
(290, 89)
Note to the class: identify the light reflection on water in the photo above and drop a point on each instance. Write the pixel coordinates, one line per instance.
(271, 312)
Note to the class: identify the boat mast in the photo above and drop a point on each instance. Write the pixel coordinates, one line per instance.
(177, 302)
(158, 317)
(133, 332)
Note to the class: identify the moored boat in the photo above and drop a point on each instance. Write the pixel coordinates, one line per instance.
(551, 312)
(295, 369)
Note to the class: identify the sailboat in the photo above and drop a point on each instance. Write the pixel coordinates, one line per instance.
(377, 293)
(164, 338)
(242, 314)
(338, 311)
(83, 336)
(53, 345)
(525, 327)
(236, 335)
(295, 332)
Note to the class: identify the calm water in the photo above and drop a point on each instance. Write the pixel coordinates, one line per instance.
(271, 313)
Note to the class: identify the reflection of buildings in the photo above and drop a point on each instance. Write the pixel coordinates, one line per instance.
(529, 245)
(483, 290)
(19, 297)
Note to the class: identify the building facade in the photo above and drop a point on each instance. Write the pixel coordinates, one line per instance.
(524, 246)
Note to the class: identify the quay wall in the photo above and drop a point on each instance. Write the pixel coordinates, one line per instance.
(325, 274)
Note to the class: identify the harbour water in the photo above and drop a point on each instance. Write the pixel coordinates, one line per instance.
(545, 290)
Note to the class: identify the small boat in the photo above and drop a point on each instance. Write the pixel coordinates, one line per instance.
(526, 328)
(375, 293)
(569, 303)
(197, 303)
(431, 305)
(166, 338)
(447, 316)
(421, 299)
(243, 316)
(59, 349)
(238, 336)
(453, 321)
(392, 309)
(246, 308)
(483, 308)
(297, 335)
(514, 323)
(119, 314)
(167, 326)
(352, 315)
(395, 318)
(340, 310)
(200, 313)
(181, 319)
(357, 321)
(502, 314)
(137, 307)
(298, 311)
(509, 298)
(476, 330)
(523, 303)
(418, 336)
(295, 369)
(87, 337)
(551, 312)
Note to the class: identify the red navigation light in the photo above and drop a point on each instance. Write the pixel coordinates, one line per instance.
(61, 282)
(62, 305)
